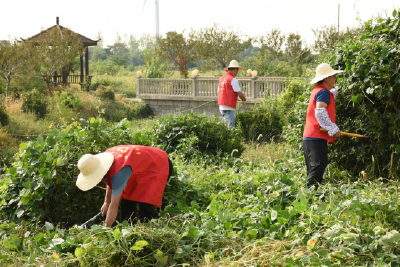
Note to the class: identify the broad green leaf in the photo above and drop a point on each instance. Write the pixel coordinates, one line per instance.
(49, 226)
(78, 252)
(141, 243)
(225, 216)
(60, 162)
(23, 145)
(193, 231)
(252, 233)
(15, 240)
(136, 248)
(159, 256)
(20, 213)
(274, 215)
(27, 185)
(12, 170)
(117, 234)
(40, 140)
(57, 241)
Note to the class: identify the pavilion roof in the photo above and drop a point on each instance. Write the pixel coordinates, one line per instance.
(43, 35)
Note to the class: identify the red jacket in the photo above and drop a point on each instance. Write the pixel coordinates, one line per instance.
(150, 169)
(226, 95)
(312, 128)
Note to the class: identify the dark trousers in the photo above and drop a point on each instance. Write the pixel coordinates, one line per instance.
(316, 156)
(134, 211)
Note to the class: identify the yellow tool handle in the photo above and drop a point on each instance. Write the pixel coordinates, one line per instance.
(349, 134)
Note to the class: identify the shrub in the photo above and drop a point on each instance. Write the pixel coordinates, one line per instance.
(4, 118)
(103, 81)
(263, 122)
(139, 110)
(105, 93)
(368, 101)
(68, 99)
(40, 185)
(8, 148)
(36, 102)
(294, 101)
(186, 133)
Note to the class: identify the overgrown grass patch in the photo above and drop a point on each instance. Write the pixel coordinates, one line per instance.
(120, 84)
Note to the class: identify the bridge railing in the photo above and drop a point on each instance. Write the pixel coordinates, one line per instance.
(207, 87)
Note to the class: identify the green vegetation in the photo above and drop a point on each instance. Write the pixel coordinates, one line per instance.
(229, 203)
(368, 102)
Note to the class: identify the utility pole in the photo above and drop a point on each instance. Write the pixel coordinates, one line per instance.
(157, 20)
(338, 15)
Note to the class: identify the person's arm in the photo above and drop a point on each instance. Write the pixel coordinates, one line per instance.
(236, 89)
(325, 121)
(334, 92)
(113, 210)
(241, 96)
(107, 201)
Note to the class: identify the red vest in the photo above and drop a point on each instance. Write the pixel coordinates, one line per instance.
(312, 128)
(150, 169)
(226, 95)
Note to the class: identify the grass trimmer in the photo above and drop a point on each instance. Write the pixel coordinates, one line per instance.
(92, 219)
(350, 134)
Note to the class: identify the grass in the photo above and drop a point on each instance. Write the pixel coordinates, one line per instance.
(267, 153)
(120, 84)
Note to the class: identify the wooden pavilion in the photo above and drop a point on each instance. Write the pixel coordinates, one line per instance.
(66, 79)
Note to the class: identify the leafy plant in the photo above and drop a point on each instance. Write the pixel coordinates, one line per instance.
(4, 117)
(263, 122)
(183, 133)
(36, 102)
(368, 99)
(42, 179)
(68, 99)
(105, 93)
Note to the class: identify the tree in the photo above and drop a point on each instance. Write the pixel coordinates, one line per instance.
(176, 48)
(13, 60)
(295, 51)
(271, 45)
(216, 46)
(119, 52)
(98, 52)
(155, 66)
(54, 51)
(328, 37)
(136, 56)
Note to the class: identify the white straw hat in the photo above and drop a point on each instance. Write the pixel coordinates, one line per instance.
(324, 70)
(234, 64)
(93, 168)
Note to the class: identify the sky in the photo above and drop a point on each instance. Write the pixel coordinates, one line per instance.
(25, 18)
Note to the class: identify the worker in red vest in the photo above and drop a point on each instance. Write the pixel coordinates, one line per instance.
(134, 175)
(320, 114)
(228, 92)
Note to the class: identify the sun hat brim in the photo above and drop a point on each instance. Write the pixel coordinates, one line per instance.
(321, 77)
(86, 182)
(240, 68)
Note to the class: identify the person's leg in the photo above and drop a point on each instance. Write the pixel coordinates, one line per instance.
(146, 212)
(171, 169)
(306, 157)
(128, 210)
(316, 152)
(229, 117)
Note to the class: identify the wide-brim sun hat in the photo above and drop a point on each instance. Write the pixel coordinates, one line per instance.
(234, 64)
(324, 70)
(92, 169)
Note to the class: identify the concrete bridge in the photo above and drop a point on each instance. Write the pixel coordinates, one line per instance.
(200, 94)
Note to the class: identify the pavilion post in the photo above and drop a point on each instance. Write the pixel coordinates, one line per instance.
(81, 59)
(87, 68)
